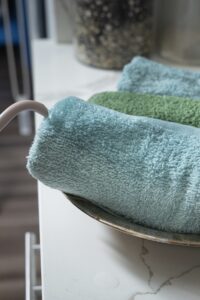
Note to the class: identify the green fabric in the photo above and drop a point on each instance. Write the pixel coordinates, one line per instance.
(144, 169)
(169, 108)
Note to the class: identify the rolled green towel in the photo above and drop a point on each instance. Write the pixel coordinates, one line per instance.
(144, 169)
(169, 108)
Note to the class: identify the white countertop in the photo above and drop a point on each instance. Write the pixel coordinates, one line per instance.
(81, 258)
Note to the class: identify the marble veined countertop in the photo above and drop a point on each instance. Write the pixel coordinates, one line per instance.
(81, 258)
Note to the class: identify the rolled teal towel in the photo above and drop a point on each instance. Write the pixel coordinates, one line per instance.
(168, 108)
(144, 169)
(148, 77)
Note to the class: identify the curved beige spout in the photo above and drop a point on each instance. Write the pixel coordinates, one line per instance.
(8, 115)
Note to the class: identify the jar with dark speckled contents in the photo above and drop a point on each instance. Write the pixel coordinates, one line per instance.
(108, 33)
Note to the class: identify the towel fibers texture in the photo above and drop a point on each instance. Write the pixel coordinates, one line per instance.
(174, 109)
(144, 169)
(148, 77)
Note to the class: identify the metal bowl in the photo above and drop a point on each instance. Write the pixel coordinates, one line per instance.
(128, 227)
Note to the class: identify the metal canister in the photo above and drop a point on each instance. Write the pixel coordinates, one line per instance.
(178, 31)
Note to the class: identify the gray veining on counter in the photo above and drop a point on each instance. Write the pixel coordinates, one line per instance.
(167, 282)
(143, 253)
(170, 281)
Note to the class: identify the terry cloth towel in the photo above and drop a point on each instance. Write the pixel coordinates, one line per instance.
(144, 169)
(174, 109)
(144, 76)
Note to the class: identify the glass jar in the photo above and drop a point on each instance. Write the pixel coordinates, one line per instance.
(108, 33)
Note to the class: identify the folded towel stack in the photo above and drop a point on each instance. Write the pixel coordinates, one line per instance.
(174, 109)
(148, 77)
(145, 169)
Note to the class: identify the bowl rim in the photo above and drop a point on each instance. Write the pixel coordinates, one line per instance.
(128, 227)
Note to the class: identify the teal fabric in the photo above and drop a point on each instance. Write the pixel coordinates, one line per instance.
(144, 169)
(168, 108)
(144, 76)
